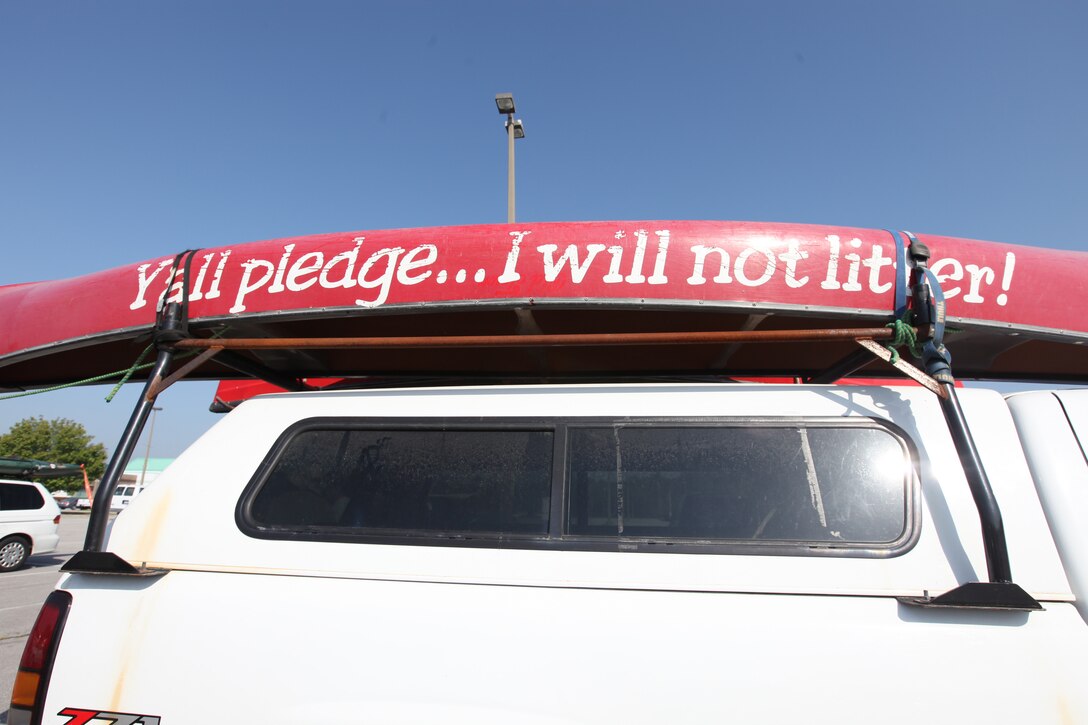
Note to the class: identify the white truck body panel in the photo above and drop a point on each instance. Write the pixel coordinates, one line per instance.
(319, 650)
(289, 631)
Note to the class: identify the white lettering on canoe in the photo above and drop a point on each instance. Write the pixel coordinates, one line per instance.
(384, 279)
(955, 274)
(791, 257)
(510, 271)
(552, 266)
(658, 277)
(145, 282)
(834, 268)
(277, 283)
(614, 276)
(348, 258)
(852, 284)
(740, 268)
(1006, 278)
(978, 274)
(214, 292)
(636, 276)
(701, 253)
(832, 279)
(410, 263)
(198, 286)
(247, 285)
(309, 263)
(876, 262)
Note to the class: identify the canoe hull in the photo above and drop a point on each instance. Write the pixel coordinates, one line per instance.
(1011, 306)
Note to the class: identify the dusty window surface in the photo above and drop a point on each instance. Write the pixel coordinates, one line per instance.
(430, 481)
(798, 487)
(790, 484)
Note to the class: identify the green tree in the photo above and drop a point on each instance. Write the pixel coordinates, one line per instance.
(58, 441)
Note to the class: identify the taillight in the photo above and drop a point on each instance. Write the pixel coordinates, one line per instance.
(56, 519)
(32, 679)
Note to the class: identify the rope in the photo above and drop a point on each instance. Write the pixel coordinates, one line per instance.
(125, 374)
(904, 335)
(183, 264)
(86, 381)
(128, 373)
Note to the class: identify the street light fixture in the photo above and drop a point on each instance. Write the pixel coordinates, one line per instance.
(514, 129)
(505, 102)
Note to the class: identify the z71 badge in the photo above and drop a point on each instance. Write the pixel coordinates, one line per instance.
(81, 717)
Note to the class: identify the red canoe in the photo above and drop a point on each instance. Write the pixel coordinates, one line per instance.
(1013, 311)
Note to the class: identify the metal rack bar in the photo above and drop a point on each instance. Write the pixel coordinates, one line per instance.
(587, 339)
(100, 509)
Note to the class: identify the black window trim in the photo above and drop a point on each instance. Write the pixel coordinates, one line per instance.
(556, 539)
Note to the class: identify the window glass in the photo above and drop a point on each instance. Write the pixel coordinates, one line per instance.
(395, 481)
(765, 483)
(19, 497)
(825, 487)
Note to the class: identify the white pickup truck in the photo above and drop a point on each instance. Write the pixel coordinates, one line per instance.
(582, 554)
(546, 498)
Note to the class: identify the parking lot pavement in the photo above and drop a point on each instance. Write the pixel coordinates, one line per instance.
(21, 595)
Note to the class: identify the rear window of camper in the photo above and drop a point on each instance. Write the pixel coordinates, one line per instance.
(653, 485)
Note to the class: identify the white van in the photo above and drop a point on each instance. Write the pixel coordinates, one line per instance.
(124, 494)
(29, 518)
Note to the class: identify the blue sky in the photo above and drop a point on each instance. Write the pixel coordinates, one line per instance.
(132, 130)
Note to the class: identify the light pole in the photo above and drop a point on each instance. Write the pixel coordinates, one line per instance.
(150, 435)
(514, 129)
